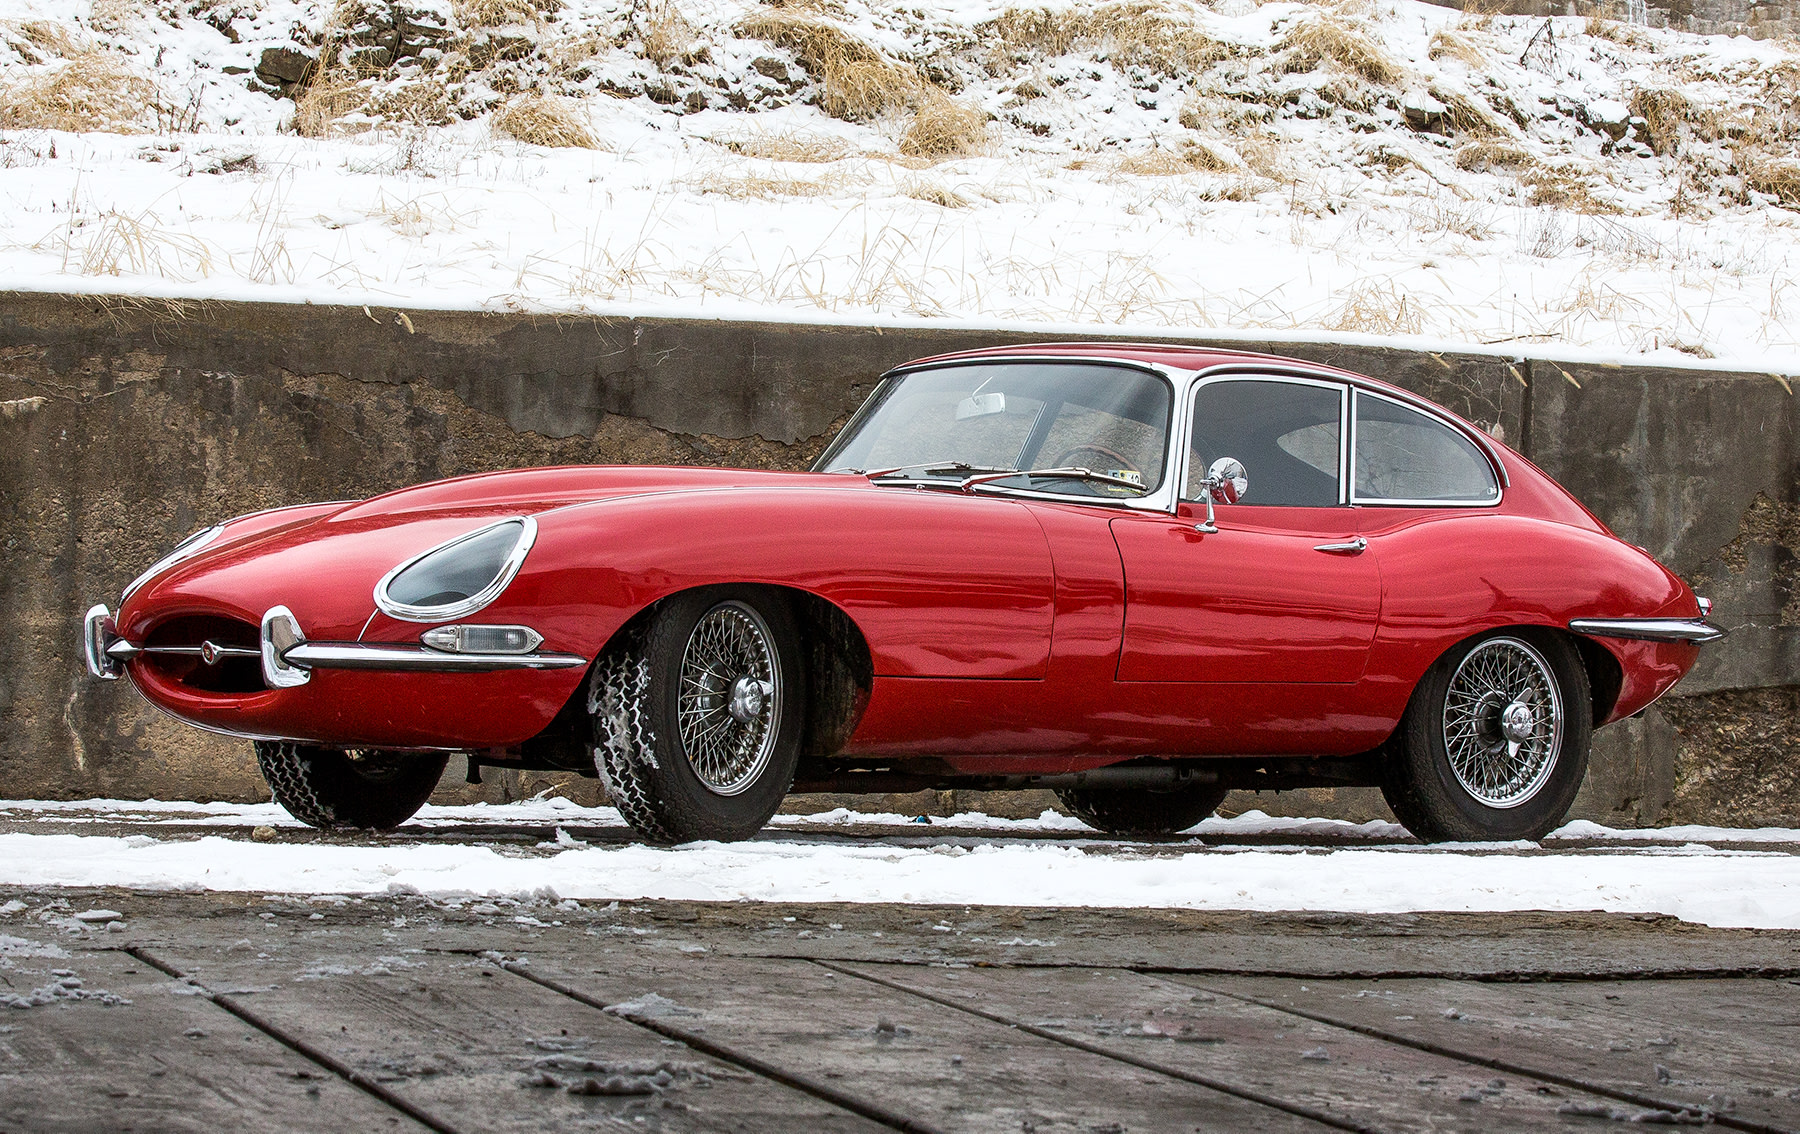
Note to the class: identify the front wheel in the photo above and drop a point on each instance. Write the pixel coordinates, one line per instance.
(1494, 743)
(369, 788)
(1142, 813)
(697, 720)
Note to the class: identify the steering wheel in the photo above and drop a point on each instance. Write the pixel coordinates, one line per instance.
(1082, 456)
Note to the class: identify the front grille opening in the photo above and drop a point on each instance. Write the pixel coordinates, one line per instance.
(228, 674)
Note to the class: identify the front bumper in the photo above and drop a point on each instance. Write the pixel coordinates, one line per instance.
(288, 657)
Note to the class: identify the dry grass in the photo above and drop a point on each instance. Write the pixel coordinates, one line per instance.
(1778, 178)
(1446, 43)
(789, 146)
(324, 102)
(542, 120)
(1485, 157)
(92, 90)
(667, 36)
(1466, 116)
(114, 244)
(935, 193)
(944, 128)
(763, 187)
(1134, 33)
(50, 37)
(1193, 157)
(422, 102)
(857, 82)
(1566, 190)
(1623, 34)
(501, 13)
(1377, 307)
(1670, 115)
(114, 15)
(1321, 37)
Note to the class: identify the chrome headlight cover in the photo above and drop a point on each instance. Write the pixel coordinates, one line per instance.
(444, 612)
(186, 549)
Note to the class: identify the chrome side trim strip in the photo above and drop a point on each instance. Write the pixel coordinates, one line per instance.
(416, 659)
(1695, 630)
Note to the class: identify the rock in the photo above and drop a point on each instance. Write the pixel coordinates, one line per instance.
(1422, 110)
(262, 835)
(284, 66)
(98, 915)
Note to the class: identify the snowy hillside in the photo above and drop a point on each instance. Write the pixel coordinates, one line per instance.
(1387, 168)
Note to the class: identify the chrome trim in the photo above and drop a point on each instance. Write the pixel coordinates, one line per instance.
(1167, 496)
(1349, 547)
(1695, 630)
(307, 656)
(1705, 606)
(509, 568)
(280, 633)
(1244, 373)
(94, 644)
(122, 650)
(188, 548)
(1295, 368)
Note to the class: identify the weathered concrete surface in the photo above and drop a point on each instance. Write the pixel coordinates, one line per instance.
(126, 425)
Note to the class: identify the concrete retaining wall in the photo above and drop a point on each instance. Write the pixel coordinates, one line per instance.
(125, 425)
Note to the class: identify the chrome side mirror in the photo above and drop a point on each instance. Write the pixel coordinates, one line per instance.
(1227, 483)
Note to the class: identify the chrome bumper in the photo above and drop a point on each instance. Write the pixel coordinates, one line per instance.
(288, 657)
(1694, 630)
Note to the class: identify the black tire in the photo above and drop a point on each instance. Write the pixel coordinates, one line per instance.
(1521, 798)
(729, 774)
(1141, 813)
(325, 788)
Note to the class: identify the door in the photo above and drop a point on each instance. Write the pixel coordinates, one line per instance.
(1285, 591)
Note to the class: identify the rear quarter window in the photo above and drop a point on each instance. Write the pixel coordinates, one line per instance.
(1404, 456)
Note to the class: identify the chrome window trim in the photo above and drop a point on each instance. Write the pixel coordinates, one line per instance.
(1362, 382)
(1167, 495)
(509, 568)
(1259, 374)
(1424, 411)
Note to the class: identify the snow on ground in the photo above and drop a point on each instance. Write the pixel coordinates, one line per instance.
(1380, 167)
(1714, 884)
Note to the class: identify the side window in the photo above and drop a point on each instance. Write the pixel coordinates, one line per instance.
(1403, 456)
(1287, 434)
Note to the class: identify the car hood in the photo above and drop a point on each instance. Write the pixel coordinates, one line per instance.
(530, 491)
(323, 561)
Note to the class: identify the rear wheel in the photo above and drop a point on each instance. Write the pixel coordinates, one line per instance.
(1494, 743)
(697, 720)
(369, 788)
(1141, 813)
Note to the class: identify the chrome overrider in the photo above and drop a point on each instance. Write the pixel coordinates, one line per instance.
(289, 658)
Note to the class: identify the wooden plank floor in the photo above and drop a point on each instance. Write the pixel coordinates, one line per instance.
(400, 1013)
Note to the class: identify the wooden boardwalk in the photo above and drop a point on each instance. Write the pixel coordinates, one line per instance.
(211, 1012)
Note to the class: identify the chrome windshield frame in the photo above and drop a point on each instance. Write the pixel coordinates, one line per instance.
(1163, 499)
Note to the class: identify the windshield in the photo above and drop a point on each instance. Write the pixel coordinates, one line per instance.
(951, 421)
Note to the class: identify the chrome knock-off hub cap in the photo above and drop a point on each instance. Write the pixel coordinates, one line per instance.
(730, 709)
(1503, 722)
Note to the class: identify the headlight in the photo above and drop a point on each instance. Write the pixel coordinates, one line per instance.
(459, 577)
(186, 549)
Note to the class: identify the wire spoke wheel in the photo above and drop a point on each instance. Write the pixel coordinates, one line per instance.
(730, 697)
(1503, 722)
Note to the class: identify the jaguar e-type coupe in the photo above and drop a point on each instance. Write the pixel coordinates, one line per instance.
(1138, 575)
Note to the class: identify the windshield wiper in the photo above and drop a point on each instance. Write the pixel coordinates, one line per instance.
(936, 467)
(1072, 472)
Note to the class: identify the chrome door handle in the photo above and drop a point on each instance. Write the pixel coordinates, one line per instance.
(1352, 547)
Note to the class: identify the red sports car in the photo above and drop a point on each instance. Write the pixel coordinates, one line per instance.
(1138, 575)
